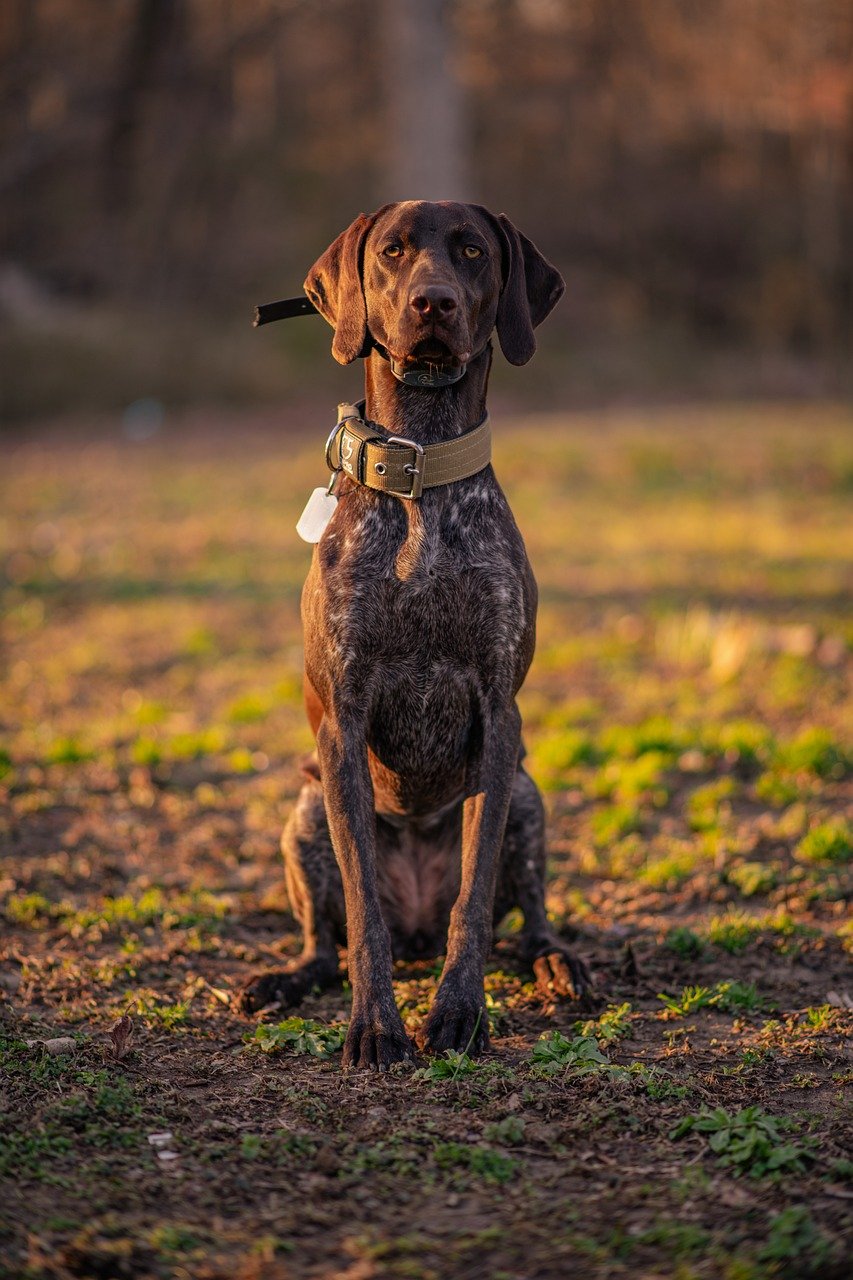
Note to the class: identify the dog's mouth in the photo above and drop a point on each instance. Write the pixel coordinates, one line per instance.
(432, 351)
(430, 363)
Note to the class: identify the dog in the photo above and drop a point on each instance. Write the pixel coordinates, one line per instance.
(417, 827)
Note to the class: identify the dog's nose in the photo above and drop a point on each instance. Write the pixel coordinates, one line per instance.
(433, 299)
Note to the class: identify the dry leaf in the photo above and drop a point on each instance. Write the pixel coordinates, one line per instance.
(121, 1035)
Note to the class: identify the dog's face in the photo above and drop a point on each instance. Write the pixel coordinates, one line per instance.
(430, 282)
(432, 277)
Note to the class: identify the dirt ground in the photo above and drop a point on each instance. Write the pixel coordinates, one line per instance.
(688, 716)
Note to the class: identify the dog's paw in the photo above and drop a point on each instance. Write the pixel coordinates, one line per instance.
(370, 1045)
(455, 1022)
(559, 972)
(281, 988)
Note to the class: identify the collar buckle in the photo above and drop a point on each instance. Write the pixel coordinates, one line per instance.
(416, 471)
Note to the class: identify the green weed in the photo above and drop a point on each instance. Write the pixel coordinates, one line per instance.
(613, 1024)
(828, 842)
(554, 1054)
(708, 806)
(749, 1142)
(730, 997)
(613, 822)
(450, 1066)
(793, 1237)
(506, 1132)
(751, 878)
(684, 942)
(298, 1035)
(155, 1013)
(815, 751)
(490, 1165)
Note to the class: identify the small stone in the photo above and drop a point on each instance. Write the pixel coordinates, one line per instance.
(159, 1139)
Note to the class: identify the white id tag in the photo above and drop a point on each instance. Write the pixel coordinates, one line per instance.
(319, 510)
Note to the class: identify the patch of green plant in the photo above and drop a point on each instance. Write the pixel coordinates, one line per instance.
(613, 822)
(153, 1012)
(29, 909)
(677, 1239)
(251, 708)
(556, 753)
(486, 1163)
(793, 1237)
(67, 751)
(659, 1086)
(751, 878)
(828, 842)
(658, 734)
(730, 997)
(633, 779)
(821, 1017)
(780, 789)
(708, 805)
(5, 763)
(449, 1066)
(669, 870)
(507, 1132)
(750, 1142)
(25, 1154)
(554, 1054)
(815, 751)
(733, 931)
(613, 1024)
(173, 1240)
(299, 1035)
(746, 743)
(102, 1116)
(684, 942)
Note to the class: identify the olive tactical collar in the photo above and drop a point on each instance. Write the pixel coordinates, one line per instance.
(364, 452)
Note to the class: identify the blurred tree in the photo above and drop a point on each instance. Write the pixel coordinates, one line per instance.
(424, 129)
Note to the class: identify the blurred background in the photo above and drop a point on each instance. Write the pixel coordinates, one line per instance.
(166, 164)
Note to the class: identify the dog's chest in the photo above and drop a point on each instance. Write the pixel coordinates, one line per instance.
(445, 584)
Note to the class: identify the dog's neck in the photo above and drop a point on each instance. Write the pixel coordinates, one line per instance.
(427, 416)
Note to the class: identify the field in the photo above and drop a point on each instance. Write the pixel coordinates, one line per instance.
(688, 715)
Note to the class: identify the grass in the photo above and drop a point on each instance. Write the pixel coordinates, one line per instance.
(688, 715)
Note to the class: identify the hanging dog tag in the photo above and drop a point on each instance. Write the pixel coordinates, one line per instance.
(319, 510)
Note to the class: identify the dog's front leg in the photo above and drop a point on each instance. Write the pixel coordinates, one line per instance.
(376, 1036)
(458, 1018)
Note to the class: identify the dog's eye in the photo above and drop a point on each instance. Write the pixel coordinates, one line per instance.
(472, 251)
(393, 250)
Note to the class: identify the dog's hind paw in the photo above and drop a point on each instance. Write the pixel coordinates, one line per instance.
(559, 972)
(281, 988)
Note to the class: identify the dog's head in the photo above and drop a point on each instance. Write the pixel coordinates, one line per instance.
(430, 282)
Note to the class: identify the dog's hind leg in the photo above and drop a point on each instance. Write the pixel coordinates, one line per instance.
(316, 898)
(521, 883)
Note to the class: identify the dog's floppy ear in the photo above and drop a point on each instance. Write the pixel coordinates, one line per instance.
(532, 287)
(334, 285)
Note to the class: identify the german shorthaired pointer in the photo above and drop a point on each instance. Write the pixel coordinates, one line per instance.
(417, 828)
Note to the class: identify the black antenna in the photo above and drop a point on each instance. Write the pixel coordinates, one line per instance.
(286, 309)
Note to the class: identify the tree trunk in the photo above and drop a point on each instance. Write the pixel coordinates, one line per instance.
(425, 143)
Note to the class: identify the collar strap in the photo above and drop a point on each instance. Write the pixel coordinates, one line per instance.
(397, 465)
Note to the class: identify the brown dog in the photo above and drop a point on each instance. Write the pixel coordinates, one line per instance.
(418, 828)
